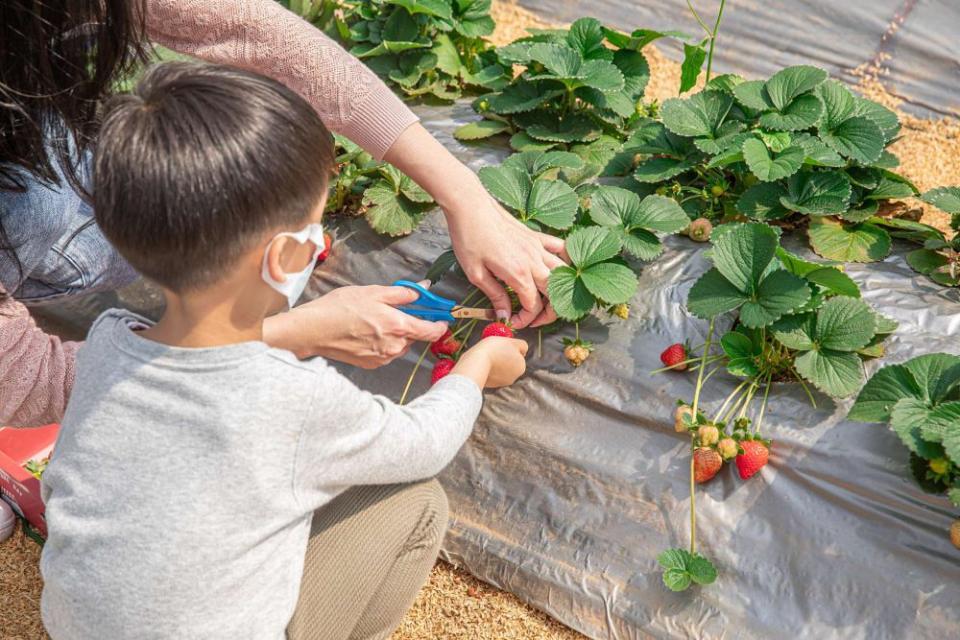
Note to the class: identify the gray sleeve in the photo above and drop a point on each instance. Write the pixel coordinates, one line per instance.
(352, 437)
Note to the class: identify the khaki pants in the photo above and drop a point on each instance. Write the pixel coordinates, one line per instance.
(370, 551)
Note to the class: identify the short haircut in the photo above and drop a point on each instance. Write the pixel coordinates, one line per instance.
(198, 162)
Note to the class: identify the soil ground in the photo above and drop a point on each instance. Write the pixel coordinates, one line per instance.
(454, 605)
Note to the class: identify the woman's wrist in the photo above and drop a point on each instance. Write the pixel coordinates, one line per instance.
(290, 332)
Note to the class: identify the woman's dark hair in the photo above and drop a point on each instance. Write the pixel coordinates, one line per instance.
(198, 163)
(58, 61)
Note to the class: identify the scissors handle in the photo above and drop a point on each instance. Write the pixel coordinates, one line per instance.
(429, 306)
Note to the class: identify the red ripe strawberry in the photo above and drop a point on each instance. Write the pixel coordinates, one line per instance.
(754, 456)
(497, 329)
(673, 356)
(328, 242)
(441, 369)
(706, 464)
(447, 345)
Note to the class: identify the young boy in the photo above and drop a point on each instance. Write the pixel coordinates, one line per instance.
(192, 456)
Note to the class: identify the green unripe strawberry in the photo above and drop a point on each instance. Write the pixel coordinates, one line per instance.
(717, 190)
(708, 434)
(728, 448)
(939, 466)
(680, 416)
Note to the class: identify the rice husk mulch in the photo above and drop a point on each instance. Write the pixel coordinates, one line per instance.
(454, 605)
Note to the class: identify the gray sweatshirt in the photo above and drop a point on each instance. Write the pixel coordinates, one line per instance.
(180, 493)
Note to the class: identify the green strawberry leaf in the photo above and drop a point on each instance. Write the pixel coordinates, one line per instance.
(753, 95)
(743, 253)
(660, 169)
(845, 324)
(834, 281)
(537, 162)
(693, 58)
(480, 129)
(796, 331)
(436, 8)
(839, 103)
(553, 128)
(886, 119)
(858, 138)
(586, 37)
(836, 373)
(772, 167)
(906, 419)
(522, 97)
(552, 203)
(947, 199)
(817, 153)
(801, 113)
(742, 354)
(864, 242)
(568, 294)
(941, 420)
(510, 185)
(936, 374)
(391, 213)
(590, 245)
(635, 220)
(762, 201)
(520, 141)
(681, 568)
(780, 293)
(699, 115)
(788, 84)
(888, 189)
(713, 295)
(441, 266)
(818, 193)
(878, 397)
(610, 282)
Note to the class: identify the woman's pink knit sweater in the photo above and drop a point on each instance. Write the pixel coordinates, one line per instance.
(36, 369)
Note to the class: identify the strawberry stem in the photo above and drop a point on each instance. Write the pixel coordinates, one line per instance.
(416, 367)
(576, 326)
(730, 397)
(763, 404)
(803, 384)
(753, 388)
(703, 363)
(698, 359)
(693, 498)
(539, 343)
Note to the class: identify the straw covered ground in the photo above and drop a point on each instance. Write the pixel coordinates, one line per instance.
(454, 605)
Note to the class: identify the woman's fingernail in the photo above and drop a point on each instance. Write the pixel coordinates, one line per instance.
(502, 315)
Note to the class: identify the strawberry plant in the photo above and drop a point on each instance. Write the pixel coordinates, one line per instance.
(581, 89)
(796, 150)
(793, 321)
(426, 48)
(939, 259)
(920, 400)
(391, 202)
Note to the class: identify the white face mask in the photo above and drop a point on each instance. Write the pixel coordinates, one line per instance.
(295, 283)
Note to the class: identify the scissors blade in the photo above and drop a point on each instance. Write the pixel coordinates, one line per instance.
(473, 312)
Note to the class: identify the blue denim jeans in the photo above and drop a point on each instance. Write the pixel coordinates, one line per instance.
(60, 248)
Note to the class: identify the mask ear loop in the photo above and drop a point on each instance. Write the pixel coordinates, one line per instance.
(303, 236)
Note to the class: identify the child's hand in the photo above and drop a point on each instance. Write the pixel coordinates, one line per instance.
(493, 362)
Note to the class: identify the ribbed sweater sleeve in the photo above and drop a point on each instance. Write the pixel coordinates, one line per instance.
(36, 369)
(262, 36)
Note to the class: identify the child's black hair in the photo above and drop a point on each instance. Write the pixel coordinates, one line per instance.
(198, 162)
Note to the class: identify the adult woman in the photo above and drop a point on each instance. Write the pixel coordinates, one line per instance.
(49, 89)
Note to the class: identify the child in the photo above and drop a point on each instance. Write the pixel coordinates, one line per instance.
(192, 456)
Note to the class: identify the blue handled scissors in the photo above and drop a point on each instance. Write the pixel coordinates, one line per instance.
(430, 306)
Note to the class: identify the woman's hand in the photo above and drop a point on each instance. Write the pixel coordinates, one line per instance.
(356, 325)
(491, 245)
